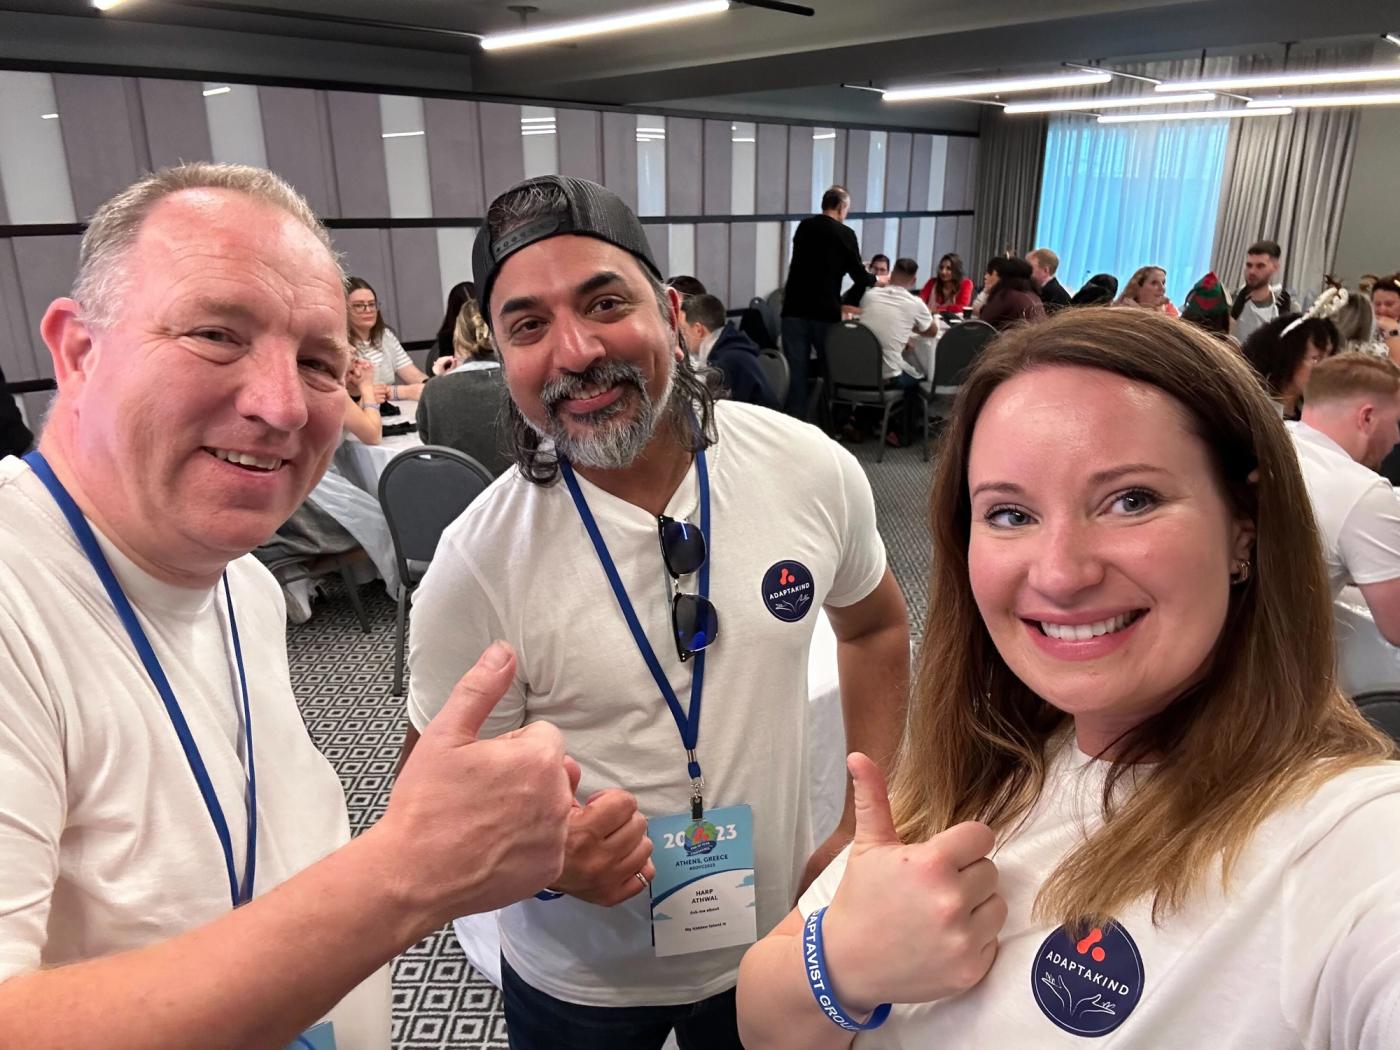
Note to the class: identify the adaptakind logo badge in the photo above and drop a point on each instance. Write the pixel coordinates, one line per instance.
(788, 590)
(700, 838)
(1088, 985)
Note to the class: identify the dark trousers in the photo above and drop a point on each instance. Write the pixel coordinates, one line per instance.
(536, 1021)
(913, 405)
(800, 338)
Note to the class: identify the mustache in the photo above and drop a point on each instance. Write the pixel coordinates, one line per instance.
(600, 374)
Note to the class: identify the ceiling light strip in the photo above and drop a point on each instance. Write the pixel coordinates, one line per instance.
(586, 27)
(1245, 83)
(1050, 105)
(1197, 114)
(996, 87)
(1374, 98)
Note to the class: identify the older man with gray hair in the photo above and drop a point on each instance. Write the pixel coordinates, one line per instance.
(175, 869)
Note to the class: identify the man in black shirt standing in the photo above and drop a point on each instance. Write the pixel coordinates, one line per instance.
(824, 249)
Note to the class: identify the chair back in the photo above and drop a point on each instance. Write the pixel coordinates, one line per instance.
(1382, 710)
(769, 319)
(957, 350)
(422, 491)
(774, 364)
(853, 360)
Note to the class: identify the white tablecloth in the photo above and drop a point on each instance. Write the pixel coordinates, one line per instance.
(1365, 661)
(363, 463)
(826, 760)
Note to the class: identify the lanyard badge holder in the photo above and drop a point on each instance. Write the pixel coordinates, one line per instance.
(702, 896)
(240, 890)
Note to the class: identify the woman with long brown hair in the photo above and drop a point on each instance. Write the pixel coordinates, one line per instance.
(1130, 798)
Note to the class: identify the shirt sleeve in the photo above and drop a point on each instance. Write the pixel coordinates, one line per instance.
(1369, 542)
(852, 262)
(34, 791)
(823, 887)
(455, 620)
(923, 319)
(394, 351)
(1340, 907)
(862, 564)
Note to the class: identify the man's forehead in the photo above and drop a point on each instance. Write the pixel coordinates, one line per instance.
(560, 264)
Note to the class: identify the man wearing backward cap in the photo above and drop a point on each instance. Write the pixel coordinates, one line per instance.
(655, 548)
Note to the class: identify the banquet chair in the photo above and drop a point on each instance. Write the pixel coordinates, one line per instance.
(1382, 710)
(422, 491)
(774, 364)
(957, 349)
(856, 374)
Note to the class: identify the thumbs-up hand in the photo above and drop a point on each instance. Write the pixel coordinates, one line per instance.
(607, 849)
(910, 923)
(478, 824)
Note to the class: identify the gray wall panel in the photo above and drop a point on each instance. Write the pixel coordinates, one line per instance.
(838, 163)
(580, 143)
(17, 357)
(964, 242)
(502, 152)
(957, 185)
(945, 240)
(418, 303)
(719, 167)
(684, 168)
(712, 256)
(140, 147)
(96, 124)
(909, 243)
(177, 124)
(454, 157)
(298, 144)
(857, 168)
(897, 165)
(46, 267)
(366, 253)
(659, 237)
(770, 195)
(360, 176)
(799, 173)
(620, 155)
(743, 242)
(920, 159)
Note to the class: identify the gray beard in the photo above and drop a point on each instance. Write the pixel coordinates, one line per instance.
(610, 444)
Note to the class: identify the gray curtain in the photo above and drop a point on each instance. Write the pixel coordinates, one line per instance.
(1286, 180)
(1010, 159)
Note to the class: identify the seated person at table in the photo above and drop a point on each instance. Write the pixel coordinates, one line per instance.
(718, 344)
(461, 293)
(895, 314)
(463, 407)
(686, 285)
(949, 292)
(1011, 295)
(1349, 425)
(1206, 305)
(362, 418)
(1098, 290)
(879, 265)
(1052, 293)
(396, 377)
(1284, 352)
(1147, 290)
(1128, 776)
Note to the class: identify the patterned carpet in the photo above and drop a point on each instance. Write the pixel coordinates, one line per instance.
(342, 680)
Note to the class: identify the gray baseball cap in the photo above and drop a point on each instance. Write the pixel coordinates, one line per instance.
(591, 211)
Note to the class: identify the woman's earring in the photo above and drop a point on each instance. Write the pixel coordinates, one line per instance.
(1241, 574)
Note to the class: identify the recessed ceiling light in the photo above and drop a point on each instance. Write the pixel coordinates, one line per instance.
(996, 87)
(217, 91)
(399, 134)
(48, 116)
(585, 27)
(1075, 104)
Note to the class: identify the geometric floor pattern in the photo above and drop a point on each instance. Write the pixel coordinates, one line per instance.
(342, 678)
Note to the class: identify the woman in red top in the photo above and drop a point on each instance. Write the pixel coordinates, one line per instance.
(950, 292)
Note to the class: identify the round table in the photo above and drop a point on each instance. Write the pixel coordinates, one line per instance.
(363, 463)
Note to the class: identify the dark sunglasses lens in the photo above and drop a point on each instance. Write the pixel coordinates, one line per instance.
(695, 621)
(683, 547)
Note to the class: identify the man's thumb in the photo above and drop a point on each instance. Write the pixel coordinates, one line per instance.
(874, 823)
(476, 693)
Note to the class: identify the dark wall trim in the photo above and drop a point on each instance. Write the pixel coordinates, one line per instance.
(106, 69)
(61, 228)
(30, 386)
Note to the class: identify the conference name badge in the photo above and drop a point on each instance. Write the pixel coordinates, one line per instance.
(702, 897)
(322, 1037)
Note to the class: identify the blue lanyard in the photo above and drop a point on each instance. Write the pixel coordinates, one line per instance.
(688, 724)
(240, 894)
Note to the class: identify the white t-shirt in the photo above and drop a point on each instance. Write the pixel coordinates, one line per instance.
(1357, 511)
(1254, 317)
(894, 314)
(388, 357)
(785, 500)
(105, 843)
(1303, 952)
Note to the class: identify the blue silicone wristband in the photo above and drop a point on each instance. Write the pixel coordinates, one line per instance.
(814, 957)
(547, 895)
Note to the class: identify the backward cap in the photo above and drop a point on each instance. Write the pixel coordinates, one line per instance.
(591, 211)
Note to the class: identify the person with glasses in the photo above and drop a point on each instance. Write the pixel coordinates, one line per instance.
(658, 559)
(396, 377)
(176, 869)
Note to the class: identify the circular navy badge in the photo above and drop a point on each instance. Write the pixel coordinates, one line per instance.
(1089, 986)
(788, 590)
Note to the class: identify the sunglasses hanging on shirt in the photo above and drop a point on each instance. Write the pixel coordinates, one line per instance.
(694, 621)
